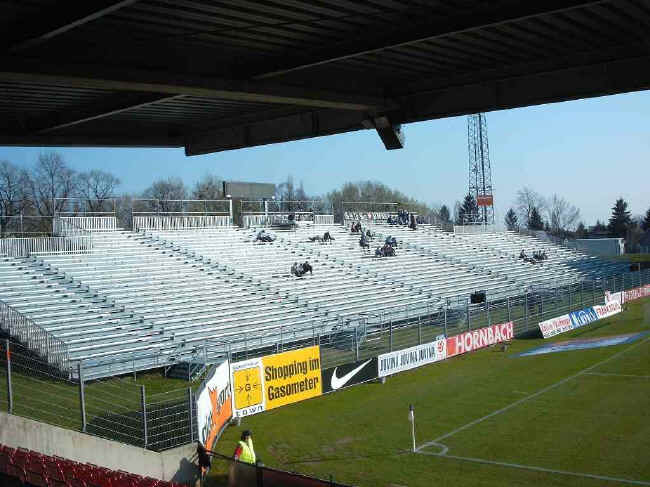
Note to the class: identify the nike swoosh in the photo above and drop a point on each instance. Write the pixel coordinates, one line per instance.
(338, 382)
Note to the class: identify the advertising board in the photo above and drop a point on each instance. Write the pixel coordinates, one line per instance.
(607, 310)
(482, 337)
(412, 357)
(583, 317)
(275, 380)
(350, 374)
(214, 405)
(555, 326)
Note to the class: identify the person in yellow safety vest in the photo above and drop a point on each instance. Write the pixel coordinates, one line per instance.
(245, 451)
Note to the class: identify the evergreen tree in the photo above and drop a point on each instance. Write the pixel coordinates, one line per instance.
(581, 231)
(469, 210)
(511, 220)
(535, 221)
(444, 214)
(620, 219)
(645, 224)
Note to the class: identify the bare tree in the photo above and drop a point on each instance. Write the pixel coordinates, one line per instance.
(51, 182)
(96, 188)
(527, 200)
(165, 190)
(209, 187)
(562, 216)
(13, 193)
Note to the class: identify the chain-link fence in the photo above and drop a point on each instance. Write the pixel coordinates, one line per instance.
(118, 409)
(150, 415)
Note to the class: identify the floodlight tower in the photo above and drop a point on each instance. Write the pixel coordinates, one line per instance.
(480, 174)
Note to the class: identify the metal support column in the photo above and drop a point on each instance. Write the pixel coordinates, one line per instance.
(10, 396)
(143, 406)
(191, 411)
(82, 398)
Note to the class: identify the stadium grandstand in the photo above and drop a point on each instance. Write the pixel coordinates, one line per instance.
(185, 292)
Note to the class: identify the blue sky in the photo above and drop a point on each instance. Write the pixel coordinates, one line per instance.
(588, 151)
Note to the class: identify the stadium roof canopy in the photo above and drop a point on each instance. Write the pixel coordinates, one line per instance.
(214, 75)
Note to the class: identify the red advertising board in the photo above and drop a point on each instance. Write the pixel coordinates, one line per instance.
(636, 293)
(485, 200)
(482, 337)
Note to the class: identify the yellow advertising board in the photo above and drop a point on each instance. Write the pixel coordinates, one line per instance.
(275, 380)
(292, 376)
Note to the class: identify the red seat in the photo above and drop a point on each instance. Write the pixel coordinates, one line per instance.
(148, 482)
(75, 482)
(17, 471)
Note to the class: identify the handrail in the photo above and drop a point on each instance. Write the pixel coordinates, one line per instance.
(53, 349)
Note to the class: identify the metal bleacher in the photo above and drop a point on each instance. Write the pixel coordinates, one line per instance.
(156, 298)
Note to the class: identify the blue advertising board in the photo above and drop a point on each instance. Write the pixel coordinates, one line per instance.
(583, 317)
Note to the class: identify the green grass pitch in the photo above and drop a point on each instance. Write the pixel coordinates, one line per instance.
(578, 418)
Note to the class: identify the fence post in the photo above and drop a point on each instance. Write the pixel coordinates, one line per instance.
(570, 301)
(508, 304)
(10, 396)
(189, 397)
(446, 305)
(469, 317)
(526, 309)
(143, 403)
(390, 336)
(593, 292)
(487, 310)
(356, 343)
(419, 331)
(82, 398)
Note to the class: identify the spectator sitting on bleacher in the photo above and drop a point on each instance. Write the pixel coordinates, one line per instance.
(369, 234)
(385, 251)
(300, 270)
(327, 237)
(390, 240)
(264, 236)
(316, 238)
(522, 254)
(413, 225)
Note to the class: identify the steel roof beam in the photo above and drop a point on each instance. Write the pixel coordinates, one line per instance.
(425, 30)
(61, 19)
(111, 105)
(135, 80)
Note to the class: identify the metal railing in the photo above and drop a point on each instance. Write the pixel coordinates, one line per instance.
(76, 225)
(52, 349)
(24, 247)
(155, 222)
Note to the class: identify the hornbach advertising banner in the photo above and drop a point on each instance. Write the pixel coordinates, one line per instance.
(276, 380)
(214, 405)
(412, 357)
(351, 374)
(479, 338)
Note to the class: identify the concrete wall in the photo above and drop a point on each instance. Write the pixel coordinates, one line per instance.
(177, 465)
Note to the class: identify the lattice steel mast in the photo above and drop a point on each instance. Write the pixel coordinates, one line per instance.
(480, 174)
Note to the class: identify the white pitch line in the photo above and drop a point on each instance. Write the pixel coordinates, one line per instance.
(538, 469)
(606, 374)
(532, 396)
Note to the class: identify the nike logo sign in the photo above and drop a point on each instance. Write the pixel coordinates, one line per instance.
(338, 382)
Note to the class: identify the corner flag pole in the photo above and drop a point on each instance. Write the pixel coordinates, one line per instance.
(412, 420)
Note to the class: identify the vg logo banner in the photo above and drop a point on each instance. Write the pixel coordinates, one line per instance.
(583, 317)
